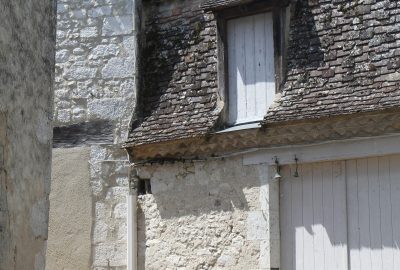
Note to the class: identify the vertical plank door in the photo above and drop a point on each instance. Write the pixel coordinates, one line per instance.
(313, 217)
(373, 192)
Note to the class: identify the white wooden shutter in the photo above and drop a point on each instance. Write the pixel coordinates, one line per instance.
(251, 67)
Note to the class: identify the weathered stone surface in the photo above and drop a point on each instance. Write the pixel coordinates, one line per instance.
(62, 56)
(205, 225)
(27, 44)
(94, 110)
(108, 109)
(99, 11)
(72, 214)
(119, 68)
(102, 51)
(80, 73)
(118, 25)
(89, 32)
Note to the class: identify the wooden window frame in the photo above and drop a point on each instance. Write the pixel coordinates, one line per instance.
(279, 11)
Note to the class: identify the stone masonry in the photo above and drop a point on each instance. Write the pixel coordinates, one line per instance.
(214, 214)
(27, 41)
(94, 89)
(95, 63)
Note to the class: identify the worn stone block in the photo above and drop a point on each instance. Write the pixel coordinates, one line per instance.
(108, 109)
(109, 255)
(257, 226)
(118, 25)
(119, 68)
(102, 51)
(62, 56)
(80, 73)
(89, 32)
(99, 11)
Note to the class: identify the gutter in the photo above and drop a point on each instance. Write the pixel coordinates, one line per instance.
(132, 248)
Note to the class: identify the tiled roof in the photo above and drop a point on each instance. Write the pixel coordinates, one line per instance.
(343, 57)
(218, 4)
(179, 94)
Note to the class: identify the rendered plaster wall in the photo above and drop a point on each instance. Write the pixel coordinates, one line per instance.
(94, 100)
(69, 241)
(215, 214)
(27, 39)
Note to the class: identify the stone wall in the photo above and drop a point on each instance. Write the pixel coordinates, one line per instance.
(215, 214)
(27, 39)
(95, 63)
(94, 101)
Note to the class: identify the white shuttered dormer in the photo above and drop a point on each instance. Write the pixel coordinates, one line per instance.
(251, 67)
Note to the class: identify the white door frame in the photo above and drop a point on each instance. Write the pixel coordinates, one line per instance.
(326, 151)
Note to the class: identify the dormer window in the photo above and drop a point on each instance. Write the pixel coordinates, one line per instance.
(252, 41)
(251, 67)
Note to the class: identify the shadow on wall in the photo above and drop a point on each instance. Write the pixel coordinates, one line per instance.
(197, 212)
(195, 189)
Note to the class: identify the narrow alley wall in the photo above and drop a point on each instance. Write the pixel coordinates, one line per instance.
(94, 100)
(27, 42)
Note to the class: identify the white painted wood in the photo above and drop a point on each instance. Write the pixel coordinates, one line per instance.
(318, 217)
(251, 67)
(353, 222)
(375, 212)
(308, 216)
(339, 214)
(374, 241)
(363, 214)
(310, 235)
(328, 211)
(386, 213)
(328, 151)
(232, 70)
(286, 221)
(342, 215)
(394, 178)
(260, 51)
(298, 228)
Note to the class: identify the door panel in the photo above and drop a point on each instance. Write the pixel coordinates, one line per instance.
(373, 186)
(341, 215)
(315, 238)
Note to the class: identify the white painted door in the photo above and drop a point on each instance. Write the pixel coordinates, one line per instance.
(373, 188)
(341, 215)
(250, 67)
(313, 217)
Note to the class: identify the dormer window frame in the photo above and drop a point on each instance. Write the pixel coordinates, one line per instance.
(280, 13)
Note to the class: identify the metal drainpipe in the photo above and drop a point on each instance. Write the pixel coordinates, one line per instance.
(132, 222)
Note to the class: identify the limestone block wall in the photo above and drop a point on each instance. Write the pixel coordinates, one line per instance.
(95, 62)
(215, 214)
(94, 99)
(27, 39)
